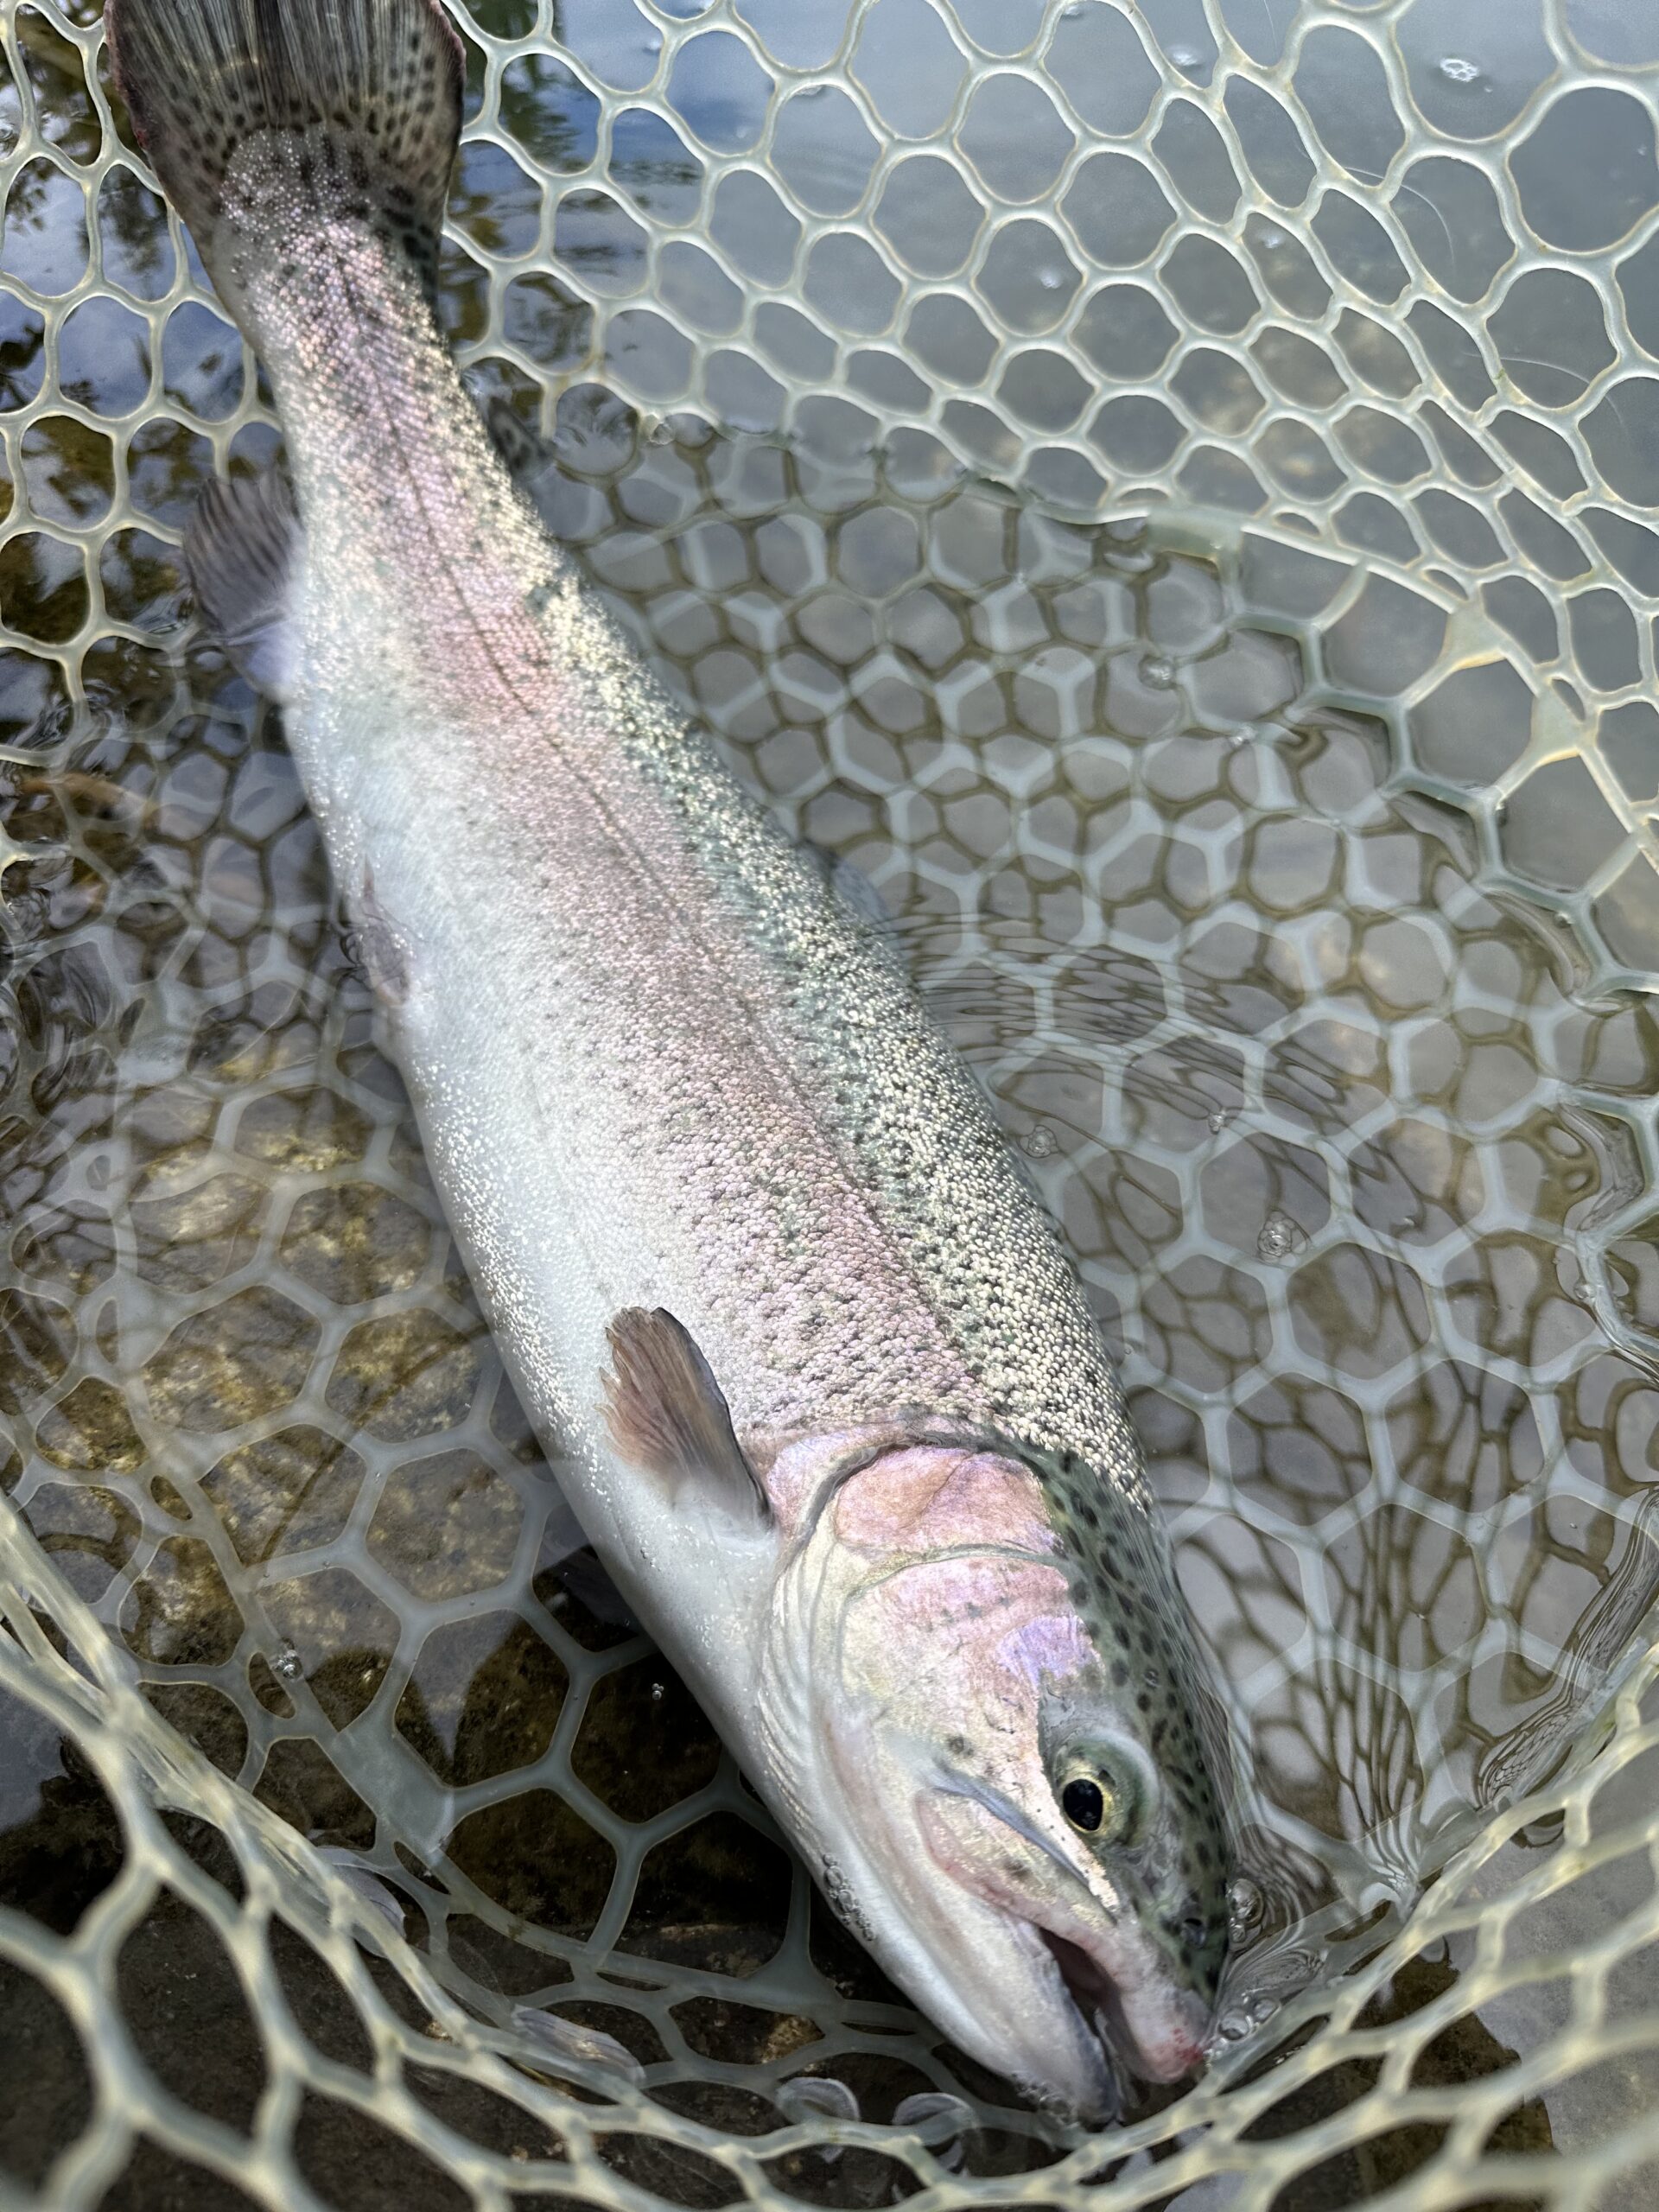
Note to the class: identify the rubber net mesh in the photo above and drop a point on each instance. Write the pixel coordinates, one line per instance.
(1166, 487)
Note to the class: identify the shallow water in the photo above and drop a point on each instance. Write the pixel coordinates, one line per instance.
(1353, 1169)
(1358, 1167)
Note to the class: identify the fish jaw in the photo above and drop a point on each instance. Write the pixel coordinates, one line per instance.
(1003, 1999)
(1148, 2028)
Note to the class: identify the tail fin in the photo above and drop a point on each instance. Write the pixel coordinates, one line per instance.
(375, 84)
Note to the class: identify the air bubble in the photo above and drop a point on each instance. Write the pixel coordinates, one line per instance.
(1281, 1236)
(1461, 71)
(934, 2115)
(811, 2096)
(1245, 1905)
(568, 2040)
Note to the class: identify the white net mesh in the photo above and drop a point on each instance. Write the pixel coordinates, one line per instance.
(1283, 863)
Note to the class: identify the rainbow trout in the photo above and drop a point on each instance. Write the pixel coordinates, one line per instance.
(845, 1433)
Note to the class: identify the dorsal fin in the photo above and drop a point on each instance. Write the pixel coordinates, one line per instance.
(666, 1412)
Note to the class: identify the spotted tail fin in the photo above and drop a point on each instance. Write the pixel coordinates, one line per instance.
(366, 93)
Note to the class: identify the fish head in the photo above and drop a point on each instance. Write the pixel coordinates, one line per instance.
(1024, 1826)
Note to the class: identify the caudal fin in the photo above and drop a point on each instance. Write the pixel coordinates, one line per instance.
(371, 87)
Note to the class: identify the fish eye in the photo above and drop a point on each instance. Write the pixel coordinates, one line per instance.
(1100, 1796)
(1083, 1803)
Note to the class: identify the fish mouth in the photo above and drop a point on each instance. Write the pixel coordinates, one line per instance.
(1168, 2055)
(1142, 2032)
(1094, 1994)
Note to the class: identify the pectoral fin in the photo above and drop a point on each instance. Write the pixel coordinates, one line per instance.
(667, 1413)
